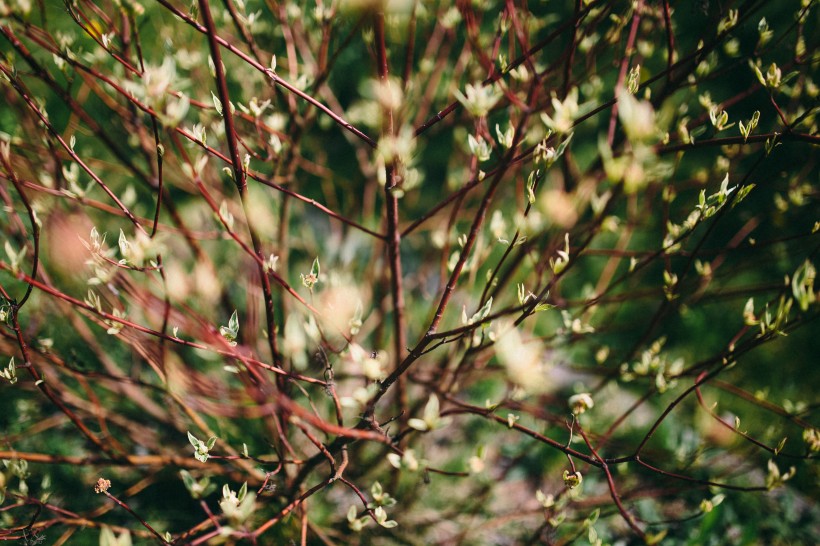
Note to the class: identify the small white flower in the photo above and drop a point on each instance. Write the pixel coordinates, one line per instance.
(579, 403)
(564, 112)
(637, 117)
(356, 524)
(432, 420)
(408, 460)
(478, 99)
(572, 480)
(476, 464)
(546, 501)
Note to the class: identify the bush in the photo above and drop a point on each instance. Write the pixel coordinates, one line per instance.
(385, 272)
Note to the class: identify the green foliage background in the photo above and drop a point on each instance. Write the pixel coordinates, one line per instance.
(768, 380)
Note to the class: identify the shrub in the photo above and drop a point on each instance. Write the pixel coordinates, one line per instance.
(386, 272)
